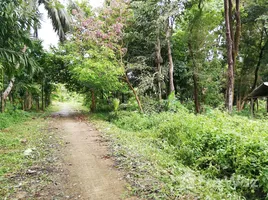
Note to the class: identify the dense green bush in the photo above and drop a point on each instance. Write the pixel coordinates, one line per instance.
(12, 117)
(217, 145)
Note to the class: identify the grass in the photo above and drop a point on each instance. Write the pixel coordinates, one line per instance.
(22, 132)
(19, 133)
(184, 156)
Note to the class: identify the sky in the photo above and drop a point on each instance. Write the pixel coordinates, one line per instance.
(47, 34)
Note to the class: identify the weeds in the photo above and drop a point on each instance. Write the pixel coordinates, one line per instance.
(181, 155)
(24, 149)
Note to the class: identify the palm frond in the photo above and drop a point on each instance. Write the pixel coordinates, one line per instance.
(12, 59)
(60, 18)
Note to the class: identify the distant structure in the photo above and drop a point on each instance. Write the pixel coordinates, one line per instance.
(259, 92)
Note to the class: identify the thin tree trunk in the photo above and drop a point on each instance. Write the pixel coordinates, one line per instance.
(49, 98)
(2, 88)
(29, 101)
(10, 97)
(135, 93)
(11, 83)
(196, 99)
(252, 107)
(259, 62)
(171, 65)
(93, 101)
(2, 103)
(159, 68)
(238, 29)
(195, 79)
(42, 97)
(230, 83)
(129, 84)
(256, 72)
(22, 104)
(9, 88)
(37, 103)
(26, 100)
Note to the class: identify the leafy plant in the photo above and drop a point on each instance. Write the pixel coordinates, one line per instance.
(116, 103)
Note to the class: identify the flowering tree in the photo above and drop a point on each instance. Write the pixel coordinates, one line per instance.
(98, 40)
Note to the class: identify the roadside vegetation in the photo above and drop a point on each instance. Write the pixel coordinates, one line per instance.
(178, 155)
(26, 149)
(174, 79)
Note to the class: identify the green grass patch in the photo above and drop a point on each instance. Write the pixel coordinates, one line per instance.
(9, 118)
(24, 144)
(14, 143)
(181, 155)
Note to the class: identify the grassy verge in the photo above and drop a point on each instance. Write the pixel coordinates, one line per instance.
(25, 147)
(183, 156)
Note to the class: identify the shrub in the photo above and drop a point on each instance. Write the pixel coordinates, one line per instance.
(217, 145)
(12, 117)
(116, 103)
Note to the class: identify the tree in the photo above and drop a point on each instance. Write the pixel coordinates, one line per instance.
(251, 69)
(16, 33)
(57, 13)
(232, 44)
(97, 41)
(15, 22)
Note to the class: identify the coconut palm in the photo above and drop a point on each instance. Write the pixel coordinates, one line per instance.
(17, 19)
(60, 18)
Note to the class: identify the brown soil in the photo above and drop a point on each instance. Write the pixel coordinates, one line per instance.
(86, 170)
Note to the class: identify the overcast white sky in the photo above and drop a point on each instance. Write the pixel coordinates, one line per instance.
(47, 34)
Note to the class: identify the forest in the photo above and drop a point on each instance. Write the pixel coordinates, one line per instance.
(172, 79)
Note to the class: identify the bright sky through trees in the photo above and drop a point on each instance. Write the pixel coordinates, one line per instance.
(47, 34)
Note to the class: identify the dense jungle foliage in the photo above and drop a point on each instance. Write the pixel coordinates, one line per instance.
(175, 75)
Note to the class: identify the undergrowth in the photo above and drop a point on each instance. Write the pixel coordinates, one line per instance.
(9, 118)
(23, 152)
(184, 156)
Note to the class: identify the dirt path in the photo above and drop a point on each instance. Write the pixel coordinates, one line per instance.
(89, 172)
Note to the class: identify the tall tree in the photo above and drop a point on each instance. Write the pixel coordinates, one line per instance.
(232, 44)
(12, 41)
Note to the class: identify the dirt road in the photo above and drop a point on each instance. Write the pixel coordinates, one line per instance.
(89, 173)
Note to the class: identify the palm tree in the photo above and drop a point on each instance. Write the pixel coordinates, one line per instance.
(60, 18)
(17, 18)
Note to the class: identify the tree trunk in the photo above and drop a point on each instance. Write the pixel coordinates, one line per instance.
(159, 68)
(2, 103)
(129, 84)
(252, 107)
(9, 88)
(230, 74)
(196, 99)
(28, 100)
(11, 83)
(42, 97)
(195, 79)
(135, 93)
(37, 103)
(48, 98)
(93, 101)
(171, 65)
(262, 47)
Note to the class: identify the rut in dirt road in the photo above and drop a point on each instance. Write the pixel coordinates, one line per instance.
(90, 175)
